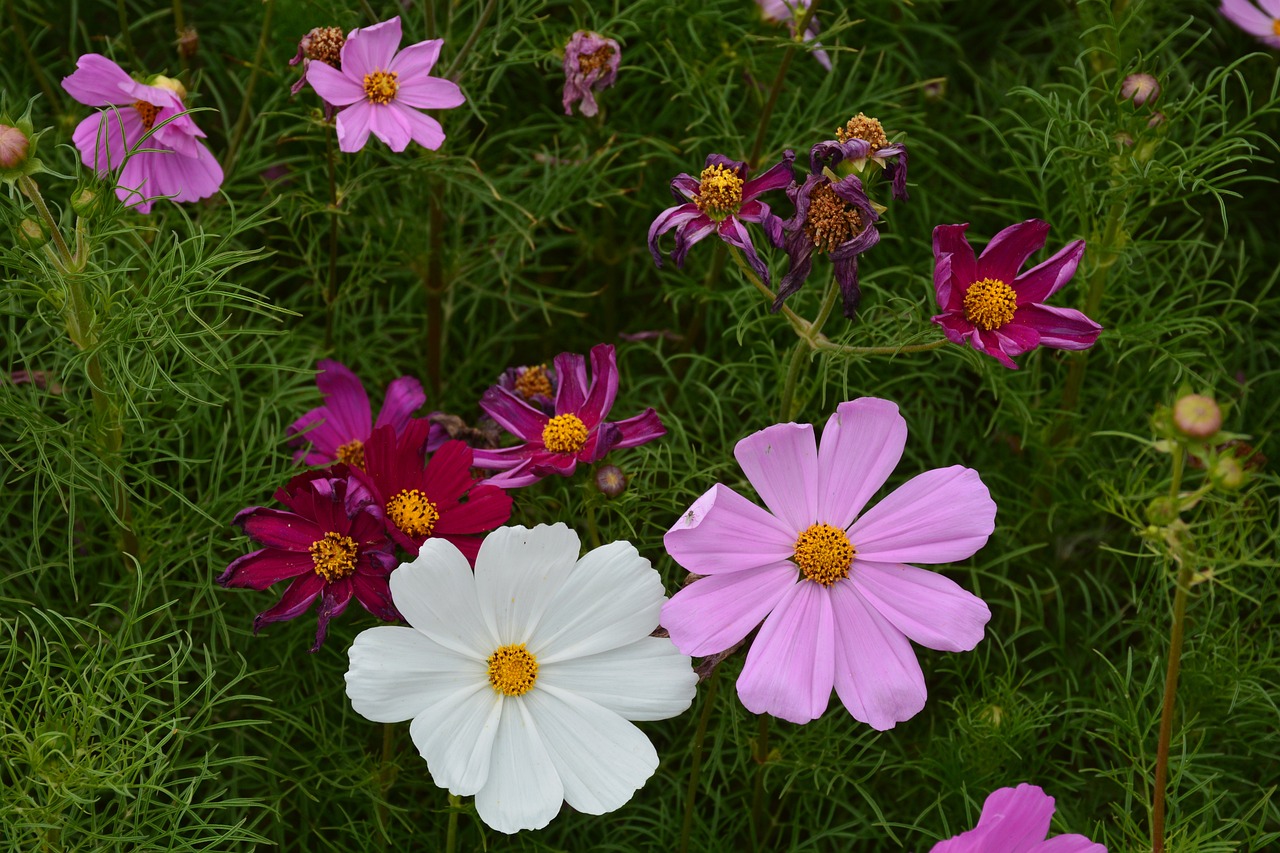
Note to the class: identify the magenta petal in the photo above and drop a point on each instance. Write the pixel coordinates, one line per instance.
(991, 344)
(404, 397)
(604, 385)
(346, 399)
(670, 218)
(776, 178)
(335, 87)
(781, 462)
(877, 676)
(1013, 819)
(333, 602)
(861, 445)
(957, 329)
(1061, 328)
(264, 567)
(99, 82)
(1016, 339)
(1043, 280)
(639, 429)
(930, 609)
(1068, 844)
(724, 532)
(423, 129)
(571, 368)
(374, 594)
(713, 613)
(279, 529)
(295, 601)
(790, 668)
(513, 414)
(950, 240)
(415, 62)
(486, 507)
(939, 516)
(1009, 250)
(385, 122)
(370, 49)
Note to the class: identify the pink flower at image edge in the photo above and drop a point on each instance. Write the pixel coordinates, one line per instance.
(1258, 22)
(1016, 820)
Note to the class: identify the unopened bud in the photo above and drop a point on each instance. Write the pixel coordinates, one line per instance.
(31, 234)
(1227, 473)
(188, 42)
(1140, 88)
(14, 145)
(1197, 416)
(162, 82)
(935, 90)
(1162, 512)
(1156, 120)
(84, 201)
(1124, 139)
(611, 481)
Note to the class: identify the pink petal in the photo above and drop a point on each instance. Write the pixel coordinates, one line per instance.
(930, 609)
(266, 566)
(939, 516)
(416, 61)
(346, 399)
(993, 345)
(1061, 328)
(99, 82)
(386, 123)
(279, 529)
(295, 601)
(1015, 820)
(957, 329)
(861, 445)
(1043, 280)
(672, 217)
(1009, 250)
(604, 385)
(640, 429)
(514, 414)
(425, 92)
(713, 613)
(104, 139)
(1068, 844)
(1243, 14)
(572, 393)
(1016, 339)
(353, 125)
(335, 87)
(790, 669)
(424, 130)
(781, 462)
(724, 532)
(950, 240)
(368, 49)
(947, 296)
(877, 676)
(404, 397)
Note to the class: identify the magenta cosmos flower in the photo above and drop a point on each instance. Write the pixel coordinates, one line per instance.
(332, 544)
(576, 432)
(338, 430)
(590, 66)
(776, 11)
(719, 201)
(381, 89)
(998, 310)
(171, 162)
(833, 584)
(1261, 23)
(1016, 820)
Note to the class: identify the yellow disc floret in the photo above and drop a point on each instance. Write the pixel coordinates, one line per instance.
(512, 670)
(824, 553)
(989, 304)
(534, 382)
(564, 434)
(334, 556)
(410, 510)
(352, 453)
(381, 86)
(719, 192)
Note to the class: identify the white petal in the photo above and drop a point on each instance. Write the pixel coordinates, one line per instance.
(645, 680)
(455, 736)
(436, 594)
(396, 672)
(602, 760)
(523, 790)
(518, 573)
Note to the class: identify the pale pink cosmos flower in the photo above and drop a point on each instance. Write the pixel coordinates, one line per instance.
(381, 89)
(777, 11)
(1016, 820)
(1261, 23)
(171, 162)
(833, 585)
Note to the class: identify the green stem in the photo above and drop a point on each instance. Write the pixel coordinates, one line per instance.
(786, 400)
(778, 79)
(695, 760)
(759, 819)
(246, 105)
(386, 775)
(827, 346)
(331, 291)
(123, 13)
(180, 26)
(693, 331)
(798, 323)
(485, 13)
(589, 495)
(451, 831)
(32, 192)
(434, 286)
(368, 11)
(828, 305)
(429, 13)
(37, 70)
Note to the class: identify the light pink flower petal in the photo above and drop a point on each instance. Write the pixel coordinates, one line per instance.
(386, 123)
(877, 676)
(424, 130)
(939, 516)
(1246, 16)
(181, 178)
(353, 125)
(1043, 280)
(712, 613)
(334, 86)
(137, 185)
(1069, 844)
(1014, 820)
(1271, 7)
(416, 60)
(724, 532)
(104, 139)
(929, 608)
(430, 93)
(1009, 250)
(368, 49)
(861, 445)
(1063, 328)
(790, 669)
(781, 462)
(99, 82)
(404, 397)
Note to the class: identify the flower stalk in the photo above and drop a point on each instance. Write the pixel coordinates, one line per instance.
(802, 23)
(695, 760)
(246, 105)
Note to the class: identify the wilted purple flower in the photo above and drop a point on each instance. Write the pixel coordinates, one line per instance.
(322, 44)
(863, 139)
(590, 63)
(535, 384)
(1262, 25)
(836, 218)
(776, 11)
(1140, 88)
(720, 200)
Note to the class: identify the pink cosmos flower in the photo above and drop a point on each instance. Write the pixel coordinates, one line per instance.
(381, 89)
(575, 432)
(832, 583)
(171, 162)
(338, 430)
(999, 310)
(590, 65)
(1016, 820)
(1261, 23)
(781, 10)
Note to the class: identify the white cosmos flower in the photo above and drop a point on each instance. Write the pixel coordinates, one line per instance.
(520, 677)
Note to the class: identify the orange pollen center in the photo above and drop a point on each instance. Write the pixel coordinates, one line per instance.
(410, 510)
(830, 220)
(989, 304)
(381, 86)
(147, 112)
(862, 127)
(595, 61)
(324, 44)
(512, 670)
(1275, 26)
(824, 554)
(719, 192)
(533, 382)
(352, 453)
(334, 556)
(564, 434)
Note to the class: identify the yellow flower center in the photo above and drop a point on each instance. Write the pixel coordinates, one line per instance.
(862, 127)
(595, 61)
(534, 381)
(352, 453)
(334, 556)
(989, 304)
(410, 510)
(381, 86)
(147, 112)
(512, 670)
(719, 192)
(830, 220)
(564, 434)
(824, 553)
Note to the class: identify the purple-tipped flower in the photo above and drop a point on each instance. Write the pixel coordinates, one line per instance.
(1016, 820)
(1140, 88)
(832, 217)
(719, 201)
(576, 432)
(535, 384)
(862, 139)
(776, 11)
(590, 65)
(321, 44)
(1261, 23)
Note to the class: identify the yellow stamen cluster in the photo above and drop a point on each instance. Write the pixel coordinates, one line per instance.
(512, 670)
(824, 553)
(830, 220)
(381, 86)
(334, 556)
(989, 304)
(564, 434)
(147, 112)
(324, 44)
(862, 127)
(410, 510)
(719, 192)
(589, 62)
(352, 453)
(533, 382)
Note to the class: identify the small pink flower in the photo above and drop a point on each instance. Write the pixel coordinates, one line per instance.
(1016, 820)
(777, 11)
(832, 583)
(170, 163)
(382, 88)
(590, 65)
(1261, 23)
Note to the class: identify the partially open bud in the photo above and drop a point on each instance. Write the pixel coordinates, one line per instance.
(611, 481)
(1140, 88)
(1227, 473)
(14, 145)
(1157, 119)
(162, 82)
(1197, 416)
(31, 234)
(84, 202)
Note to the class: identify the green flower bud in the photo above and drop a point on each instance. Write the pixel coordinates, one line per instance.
(1162, 512)
(84, 202)
(1197, 416)
(1227, 473)
(31, 234)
